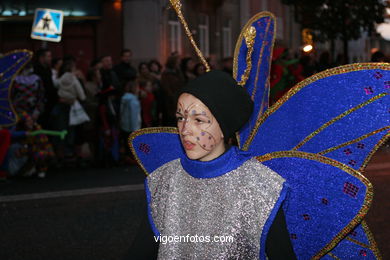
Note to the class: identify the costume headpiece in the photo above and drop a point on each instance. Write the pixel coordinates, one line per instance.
(229, 103)
(319, 137)
(10, 65)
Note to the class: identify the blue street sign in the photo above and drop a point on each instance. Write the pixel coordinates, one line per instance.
(47, 25)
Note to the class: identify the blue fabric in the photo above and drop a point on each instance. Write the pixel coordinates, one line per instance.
(311, 182)
(230, 160)
(354, 155)
(270, 220)
(349, 250)
(256, 84)
(156, 149)
(320, 102)
(9, 66)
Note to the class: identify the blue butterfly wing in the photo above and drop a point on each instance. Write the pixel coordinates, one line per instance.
(252, 60)
(326, 202)
(359, 244)
(10, 65)
(155, 146)
(342, 113)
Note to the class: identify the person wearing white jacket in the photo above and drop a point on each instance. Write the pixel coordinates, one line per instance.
(69, 85)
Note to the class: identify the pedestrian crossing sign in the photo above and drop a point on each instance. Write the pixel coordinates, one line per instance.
(47, 25)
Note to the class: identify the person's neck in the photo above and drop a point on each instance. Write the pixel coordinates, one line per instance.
(230, 160)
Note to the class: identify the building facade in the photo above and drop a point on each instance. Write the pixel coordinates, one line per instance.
(152, 30)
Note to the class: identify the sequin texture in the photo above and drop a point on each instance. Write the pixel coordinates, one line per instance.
(236, 204)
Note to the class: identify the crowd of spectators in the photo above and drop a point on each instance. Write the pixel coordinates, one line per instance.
(70, 117)
(66, 116)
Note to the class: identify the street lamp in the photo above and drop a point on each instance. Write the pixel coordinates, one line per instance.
(307, 39)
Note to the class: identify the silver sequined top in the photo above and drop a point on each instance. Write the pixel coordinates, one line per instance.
(234, 205)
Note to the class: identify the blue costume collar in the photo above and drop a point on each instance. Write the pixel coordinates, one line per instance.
(230, 160)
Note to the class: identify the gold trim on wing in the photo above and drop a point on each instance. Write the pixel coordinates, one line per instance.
(367, 199)
(25, 60)
(327, 73)
(376, 147)
(144, 131)
(176, 4)
(249, 36)
(241, 36)
(357, 242)
(237, 52)
(373, 245)
(266, 86)
(260, 60)
(353, 141)
(333, 255)
(333, 120)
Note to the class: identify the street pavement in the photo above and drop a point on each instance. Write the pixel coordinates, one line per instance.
(91, 213)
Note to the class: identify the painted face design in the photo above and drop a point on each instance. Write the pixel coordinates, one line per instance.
(200, 133)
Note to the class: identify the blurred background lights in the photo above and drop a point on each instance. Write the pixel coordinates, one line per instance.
(384, 30)
(308, 48)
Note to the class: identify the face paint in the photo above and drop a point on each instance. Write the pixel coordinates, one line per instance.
(200, 133)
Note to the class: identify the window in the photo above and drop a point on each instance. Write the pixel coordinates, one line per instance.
(204, 34)
(174, 31)
(227, 38)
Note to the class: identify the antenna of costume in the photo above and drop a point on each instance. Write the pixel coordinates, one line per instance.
(176, 4)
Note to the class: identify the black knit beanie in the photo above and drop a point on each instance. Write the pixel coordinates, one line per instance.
(230, 104)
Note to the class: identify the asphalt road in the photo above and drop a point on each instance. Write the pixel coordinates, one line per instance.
(99, 214)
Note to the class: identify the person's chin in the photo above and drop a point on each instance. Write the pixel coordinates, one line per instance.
(193, 155)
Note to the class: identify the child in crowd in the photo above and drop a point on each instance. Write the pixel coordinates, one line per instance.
(130, 112)
(148, 103)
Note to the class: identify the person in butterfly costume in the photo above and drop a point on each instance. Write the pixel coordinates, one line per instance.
(10, 64)
(305, 153)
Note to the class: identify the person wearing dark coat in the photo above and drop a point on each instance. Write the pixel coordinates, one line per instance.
(43, 70)
(124, 70)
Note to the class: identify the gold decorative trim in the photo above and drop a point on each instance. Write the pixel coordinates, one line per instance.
(353, 141)
(266, 87)
(23, 59)
(327, 73)
(237, 51)
(241, 36)
(366, 203)
(249, 36)
(335, 119)
(373, 245)
(176, 4)
(357, 242)
(261, 58)
(144, 131)
(376, 147)
(333, 255)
